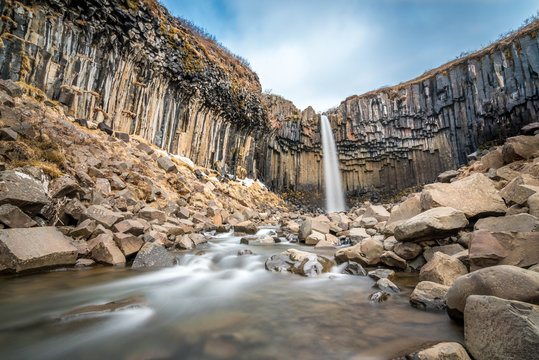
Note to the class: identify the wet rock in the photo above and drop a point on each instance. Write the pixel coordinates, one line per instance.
(387, 286)
(358, 234)
(391, 259)
(310, 225)
(407, 250)
(450, 249)
(496, 328)
(518, 190)
(442, 269)
(366, 253)
(379, 296)
(128, 243)
(150, 213)
(64, 186)
(353, 268)
(520, 147)
(435, 223)
(13, 217)
(105, 251)
(443, 351)
(154, 255)
(382, 274)
(474, 195)
(515, 223)
(130, 226)
(167, 164)
(264, 239)
(503, 248)
(132, 302)
(246, 227)
(503, 281)
(299, 262)
(244, 252)
(314, 237)
(429, 295)
(34, 248)
(102, 215)
(23, 191)
(447, 176)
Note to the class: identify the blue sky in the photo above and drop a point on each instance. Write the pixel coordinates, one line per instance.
(318, 52)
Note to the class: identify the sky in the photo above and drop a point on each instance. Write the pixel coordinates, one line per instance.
(319, 52)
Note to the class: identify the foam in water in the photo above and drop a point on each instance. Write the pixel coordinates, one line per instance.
(332, 174)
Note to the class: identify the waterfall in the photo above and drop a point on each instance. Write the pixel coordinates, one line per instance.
(332, 174)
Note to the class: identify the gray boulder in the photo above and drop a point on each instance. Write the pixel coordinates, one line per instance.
(299, 262)
(102, 215)
(23, 191)
(154, 255)
(13, 217)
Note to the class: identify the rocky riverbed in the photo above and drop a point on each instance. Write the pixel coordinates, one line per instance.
(155, 250)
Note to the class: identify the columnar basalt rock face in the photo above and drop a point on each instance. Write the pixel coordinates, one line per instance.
(133, 66)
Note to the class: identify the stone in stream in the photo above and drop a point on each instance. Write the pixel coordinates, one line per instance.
(154, 255)
(13, 217)
(353, 268)
(246, 227)
(442, 269)
(34, 248)
(496, 328)
(310, 225)
(387, 286)
(429, 295)
(366, 253)
(132, 302)
(435, 223)
(299, 262)
(379, 296)
(382, 274)
(23, 191)
(329, 242)
(184, 242)
(442, 351)
(503, 281)
(264, 239)
(244, 252)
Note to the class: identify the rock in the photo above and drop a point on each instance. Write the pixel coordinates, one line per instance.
(183, 213)
(105, 128)
(150, 213)
(23, 191)
(102, 215)
(503, 281)
(128, 243)
(391, 259)
(116, 183)
(407, 250)
(357, 234)
(129, 226)
(503, 248)
(13, 217)
(520, 189)
(403, 211)
(81, 263)
(167, 164)
(379, 296)
(382, 274)
(429, 295)
(387, 286)
(244, 252)
(84, 229)
(496, 328)
(122, 136)
(378, 212)
(516, 209)
(299, 262)
(246, 227)
(6, 134)
(145, 148)
(103, 186)
(520, 147)
(64, 186)
(11, 88)
(435, 223)
(184, 243)
(417, 263)
(443, 351)
(530, 129)
(34, 248)
(450, 249)
(330, 241)
(365, 253)
(368, 222)
(264, 239)
(533, 204)
(474, 195)
(516, 223)
(447, 176)
(74, 208)
(310, 225)
(93, 311)
(107, 252)
(390, 242)
(353, 268)
(492, 160)
(154, 255)
(314, 237)
(442, 269)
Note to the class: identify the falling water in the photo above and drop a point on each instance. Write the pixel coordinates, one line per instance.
(334, 192)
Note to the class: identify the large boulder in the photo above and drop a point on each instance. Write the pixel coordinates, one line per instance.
(504, 281)
(492, 160)
(407, 250)
(503, 248)
(357, 235)
(516, 223)
(106, 251)
(474, 195)
(102, 215)
(442, 269)
(13, 217)
(366, 253)
(391, 259)
(432, 224)
(442, 351)
(449, 249)
(429, 295)
(130, 226)
(314, 238)
(496, 328)
(518, 190)
(34, 248)
(403, 211)
(378, 212)
(154, 255)
(128, 243)
(520, 147)
(299, 262)
(310, 225)
(246, 227)
(23, 191)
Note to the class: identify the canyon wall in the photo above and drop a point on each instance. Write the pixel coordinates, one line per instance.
(128, 63)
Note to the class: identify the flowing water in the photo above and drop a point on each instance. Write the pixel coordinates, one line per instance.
(214, 305)
(332, 174)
